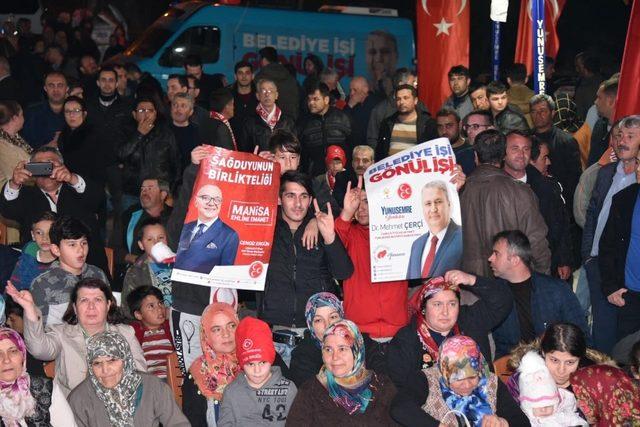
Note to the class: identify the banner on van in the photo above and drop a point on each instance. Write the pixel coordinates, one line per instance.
(414, 213)
(377, 54)
(227, 235)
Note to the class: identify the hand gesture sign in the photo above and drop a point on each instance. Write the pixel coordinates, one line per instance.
(325, 223)
(351, 200)
(24, 299)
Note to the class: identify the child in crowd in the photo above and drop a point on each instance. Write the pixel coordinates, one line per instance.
(260, 395)
(146, 271)
(33, 263)
(51, 289)
(540, 398)
(151, 328)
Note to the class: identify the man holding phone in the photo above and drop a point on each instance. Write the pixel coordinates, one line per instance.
(60, 191)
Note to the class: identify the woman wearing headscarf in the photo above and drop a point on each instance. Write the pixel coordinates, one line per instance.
(116, 394)
(92, 309)
(322, 310)
(458, 388)
(606, 396)
(216, 368)
(344, 392)
(439, 316)
(27, 400)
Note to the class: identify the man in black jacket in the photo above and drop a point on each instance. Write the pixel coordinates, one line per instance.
(244, 95)
(63, 192)
(324, 126)
(296, 273)
(109, 114)
(407, 127)
(552, 206)
(506, 117)
(563, 148)
(265, 119)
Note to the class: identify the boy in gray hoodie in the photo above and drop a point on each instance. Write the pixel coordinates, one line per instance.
(260, 395)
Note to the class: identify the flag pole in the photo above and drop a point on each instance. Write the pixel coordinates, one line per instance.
(496, 50)
(538, 45)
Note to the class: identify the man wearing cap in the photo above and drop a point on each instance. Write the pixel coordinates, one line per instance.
(260, 392)
(323, 185)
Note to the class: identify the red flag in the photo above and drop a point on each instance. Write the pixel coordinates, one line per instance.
(628, 101)
(524, 49)
(443, 41)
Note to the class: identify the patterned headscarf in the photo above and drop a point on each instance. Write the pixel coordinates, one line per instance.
(606, 396)
(429, 289)
(213, 372)
(16, 401)
(119, 401)
(321, 299)
(352, 391)
(460, 358)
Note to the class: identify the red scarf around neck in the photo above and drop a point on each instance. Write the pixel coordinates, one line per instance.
(264, 114)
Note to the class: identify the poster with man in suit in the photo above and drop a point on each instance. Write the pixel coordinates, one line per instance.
(414, 213)
(228, 230)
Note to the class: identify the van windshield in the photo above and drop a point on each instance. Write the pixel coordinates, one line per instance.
(150, 42)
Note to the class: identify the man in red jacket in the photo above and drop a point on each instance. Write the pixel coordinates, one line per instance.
(379, 309)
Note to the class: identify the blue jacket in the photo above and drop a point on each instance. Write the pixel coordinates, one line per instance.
(41, 124)
(552, 301)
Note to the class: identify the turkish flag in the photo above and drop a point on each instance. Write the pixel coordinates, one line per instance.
(628, 101)
(443, 41)
(524, 48)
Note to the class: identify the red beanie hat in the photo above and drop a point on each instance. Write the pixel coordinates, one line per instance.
(254, 342)
(335, 152)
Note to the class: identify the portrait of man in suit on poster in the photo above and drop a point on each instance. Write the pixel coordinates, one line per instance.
(208, 241)
(440, 248)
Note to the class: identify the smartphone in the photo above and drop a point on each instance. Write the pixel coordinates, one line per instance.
(39, 168)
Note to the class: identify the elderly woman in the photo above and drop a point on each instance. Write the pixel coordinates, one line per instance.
(116, 394)
(216, 368)
(13, 148)
(607, 396)
(92, 309)
(458, 388)
(564, 349)
(27, 400)
(440, 316)
(324, 309)
(344, 392)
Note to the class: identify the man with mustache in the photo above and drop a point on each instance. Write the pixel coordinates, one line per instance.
(612, 178)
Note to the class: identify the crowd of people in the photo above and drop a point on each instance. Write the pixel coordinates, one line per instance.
(537, 323)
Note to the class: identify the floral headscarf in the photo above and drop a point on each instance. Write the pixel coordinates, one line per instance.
(460, 358)
(352, 391)
(119, 401)
(430, 288)
(321, 299)
(606, 396)
(16, 401)
(213, 372)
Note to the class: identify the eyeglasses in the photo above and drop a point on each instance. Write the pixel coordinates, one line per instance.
(73, 112)
(267, 91)
(474, 127)
(209, 199)
(145, 110)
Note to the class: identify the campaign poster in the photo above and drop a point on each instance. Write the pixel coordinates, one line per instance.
(414, 213)
(227, 235)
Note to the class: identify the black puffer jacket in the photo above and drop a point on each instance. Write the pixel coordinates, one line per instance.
(296, 273)
(510, 119)
(154, 154)
(317, 132)
(256, 132)
(426, 129)
(112, 124)
(405, 352)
